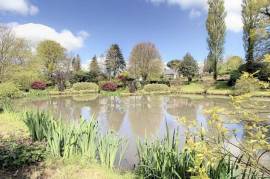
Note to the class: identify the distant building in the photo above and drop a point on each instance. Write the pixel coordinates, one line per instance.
(170, 74)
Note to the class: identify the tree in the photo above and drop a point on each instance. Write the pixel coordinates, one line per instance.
(51, 54)
(232, 64)
(145, 61)
(264, 6)
(216, 28)
(174, 65)
(76, 63)
(7, 41)
(94, 67)
(189, 67)
(115, 62)
(207, 66)
(250, 21)
(13, 52)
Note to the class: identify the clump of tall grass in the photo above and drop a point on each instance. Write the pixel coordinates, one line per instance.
(163, 159)
(6, 105)
(38, 124)
(110, 146)
(69, 140)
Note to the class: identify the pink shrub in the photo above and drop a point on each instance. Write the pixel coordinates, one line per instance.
(38, 85)
(109, 86)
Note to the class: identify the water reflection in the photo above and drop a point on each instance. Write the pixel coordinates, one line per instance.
(135, 117)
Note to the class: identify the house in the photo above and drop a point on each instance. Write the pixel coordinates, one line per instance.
(170, 74)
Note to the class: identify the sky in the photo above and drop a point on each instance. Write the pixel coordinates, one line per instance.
(89, 27)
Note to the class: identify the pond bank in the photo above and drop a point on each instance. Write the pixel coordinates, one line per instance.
(20, 157)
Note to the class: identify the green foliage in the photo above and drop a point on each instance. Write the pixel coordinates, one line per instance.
(16, 154)
(85, 86)
(94, 67)
(68, 141)
(156, 88)
(261, 70)
(163, 159)
(216, 28)
(108, 149)
(76, 63)
(174, 64)
(189, 67)
(50, 53)
(250, 21)
(145, 62)
(232, 64)
(82, 76)
(247, 84)
(9, 90)
(115, 62)
(38, 125)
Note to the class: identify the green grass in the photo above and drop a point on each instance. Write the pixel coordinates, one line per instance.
(220, 88)
(74, 168)
(12, 126)
(193, 88)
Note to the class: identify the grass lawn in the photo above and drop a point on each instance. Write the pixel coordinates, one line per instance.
(21, 158)
(193, 88)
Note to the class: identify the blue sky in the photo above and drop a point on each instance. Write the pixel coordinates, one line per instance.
(89, 27)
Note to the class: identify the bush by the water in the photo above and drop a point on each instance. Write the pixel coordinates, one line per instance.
(261, 70)
(38, 85)
(156, 88)
(109, 86)
(85, 86)
(247, 83)
(9, 90)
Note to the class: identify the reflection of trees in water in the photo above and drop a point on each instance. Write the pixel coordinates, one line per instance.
(145, 114)
(182, 107)
(114, 110)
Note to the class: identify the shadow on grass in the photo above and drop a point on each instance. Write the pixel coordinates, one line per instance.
(221, 85)
(18, 157)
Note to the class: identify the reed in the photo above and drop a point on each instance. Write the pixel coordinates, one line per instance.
(110, 146)
(162, 159)
(69, 140)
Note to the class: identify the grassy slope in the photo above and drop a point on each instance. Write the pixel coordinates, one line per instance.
(12, 127)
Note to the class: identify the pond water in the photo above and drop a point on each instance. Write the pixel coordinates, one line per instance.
(135, 117)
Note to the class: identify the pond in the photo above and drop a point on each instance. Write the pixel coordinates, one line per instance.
(135, 117)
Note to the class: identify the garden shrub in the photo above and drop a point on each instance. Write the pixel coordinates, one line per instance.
(85, 86)
(247, 83)
(38, 85)
(82, 76)
(156, 88)
(261, 70)
(235, 75)
(109, 86)
(15, 154)
(9, 90)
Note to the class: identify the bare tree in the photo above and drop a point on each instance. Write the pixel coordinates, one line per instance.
(7, 44)
(145, 61)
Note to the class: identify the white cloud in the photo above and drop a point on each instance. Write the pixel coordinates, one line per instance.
(194, 13)
(233, 8)
(23, 7)
(39, 32)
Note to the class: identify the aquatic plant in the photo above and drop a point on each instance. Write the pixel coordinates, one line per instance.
(207, 152)
(164, 159)
(66, 140)
(109, 146)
